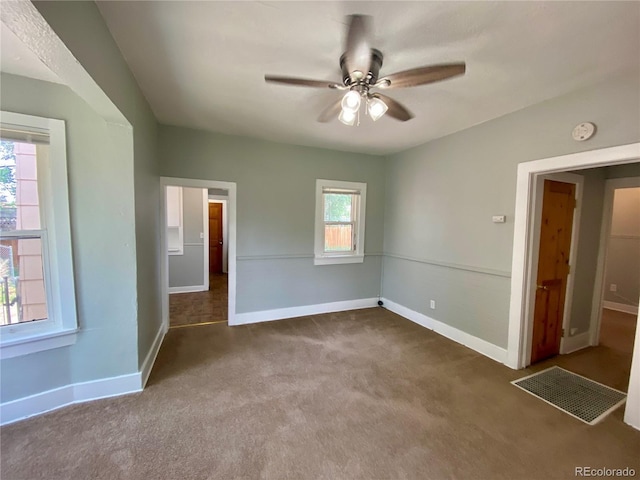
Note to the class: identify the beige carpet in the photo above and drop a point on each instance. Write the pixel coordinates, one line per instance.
(354, 395)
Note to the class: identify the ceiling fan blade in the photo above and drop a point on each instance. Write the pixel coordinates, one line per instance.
(331, 112)
(396, 110)
(358, 48)
(423, 75)
(301, 82)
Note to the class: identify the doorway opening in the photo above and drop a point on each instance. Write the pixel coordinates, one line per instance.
(525, 262)
(615, 318)
(199, 271)
(218, 261)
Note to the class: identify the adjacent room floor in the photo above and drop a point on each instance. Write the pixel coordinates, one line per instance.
(608, 363)
(200, 307)
(363, 394)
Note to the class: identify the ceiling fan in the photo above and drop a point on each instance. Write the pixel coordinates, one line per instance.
(360, 65)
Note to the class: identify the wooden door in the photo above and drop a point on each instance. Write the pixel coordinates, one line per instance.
(558, 204)
(215, 238)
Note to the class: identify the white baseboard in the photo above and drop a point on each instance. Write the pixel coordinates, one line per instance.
(292, 312)
(69, 394)
(188, 289)
(150, 359)
(487, 349)
(575, 343)
(621, 307)
(81, 392)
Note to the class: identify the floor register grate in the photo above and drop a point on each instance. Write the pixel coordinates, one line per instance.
(574, 394)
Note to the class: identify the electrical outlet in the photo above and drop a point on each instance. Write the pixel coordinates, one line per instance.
(613, 287)
(201, 234)
(432, 304)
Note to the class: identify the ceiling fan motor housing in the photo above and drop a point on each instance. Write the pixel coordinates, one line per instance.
(372, 75)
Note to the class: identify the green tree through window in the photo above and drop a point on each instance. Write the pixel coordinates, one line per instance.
(337, 207)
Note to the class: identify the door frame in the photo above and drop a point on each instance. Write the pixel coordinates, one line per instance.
(525, 185)
(611, 186)
(231, 187)
(205, 234)
(536, 225)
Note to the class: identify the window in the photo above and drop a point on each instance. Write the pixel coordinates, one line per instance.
(37, 296)
(340, 214)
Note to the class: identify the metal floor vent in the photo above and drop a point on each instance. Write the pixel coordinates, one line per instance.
(578, 396)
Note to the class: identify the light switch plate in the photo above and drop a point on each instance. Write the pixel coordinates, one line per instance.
(499, 218)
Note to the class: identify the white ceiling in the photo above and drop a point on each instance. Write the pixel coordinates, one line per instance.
(17, 59)
(202, 64)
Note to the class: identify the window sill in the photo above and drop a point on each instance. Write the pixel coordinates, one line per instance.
(337, 259)
(17, 347)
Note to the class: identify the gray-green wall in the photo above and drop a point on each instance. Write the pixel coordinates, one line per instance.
(275, 214)
(101, 201)
(440, 242)
(623, 254)
(187, 270)
(81, 27)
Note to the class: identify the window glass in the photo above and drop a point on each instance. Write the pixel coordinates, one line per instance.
(338, 238)
(22, 286)
(19, 201)
(338, 207)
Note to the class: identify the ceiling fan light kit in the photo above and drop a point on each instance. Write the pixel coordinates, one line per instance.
(360, 65)
(348, 117)
(377, 108)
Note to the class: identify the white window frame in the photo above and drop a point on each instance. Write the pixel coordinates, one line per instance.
(61, 326)
(355, 256)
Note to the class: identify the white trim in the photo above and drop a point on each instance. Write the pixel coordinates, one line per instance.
(483, 347)
(522, 228)
(610, 187)
(46, 341)
(320, 256)
(164, 267)
(632, 411)
(536, 226)
(336, 259)
(188, 289)
(575, 343)
(150, 359)
(517, 310)
(293, 312)
(620, 307)
(69, 394)
(592, 422)
(205, 236)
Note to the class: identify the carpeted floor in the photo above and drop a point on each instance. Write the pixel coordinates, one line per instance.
(200, 307)
(353, 395)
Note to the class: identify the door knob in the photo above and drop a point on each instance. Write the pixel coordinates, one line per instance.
(542, 287)
(220, 242)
